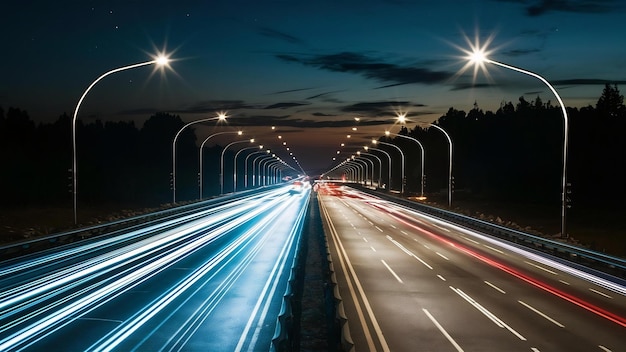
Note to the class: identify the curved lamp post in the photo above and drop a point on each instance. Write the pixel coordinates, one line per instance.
(387, 133)
(222, 162)
(358, 153)
(479, 58)
(235, 165)
(245, 167)
(402, 159)
(221, 117)
(254, 173)
(160, 61)
(380, 163)
(388, 157)
(450, 167)
(200, 181)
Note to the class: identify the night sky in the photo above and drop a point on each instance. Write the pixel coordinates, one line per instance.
(307, 67)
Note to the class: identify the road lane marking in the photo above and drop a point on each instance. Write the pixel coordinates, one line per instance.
(371, 223)
(408, 252)
(364, 239)
(534, 349)
(426, 246)
(378, 228)
(600, 293)
(604, 348)
(540, 267)
(404, 233)
(493, 249)
(495, 287)
(392, 272)
(443, 331)
(442, 256)
(374, 249)
(565, 282)
(542, 314)
(392, 226)
(441, 277)
(348, 269)
(487, 313)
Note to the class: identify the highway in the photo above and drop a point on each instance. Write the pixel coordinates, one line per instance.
(410, 282)
(213, 280)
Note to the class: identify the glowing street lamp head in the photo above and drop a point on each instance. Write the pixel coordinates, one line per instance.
(387, 133)
(402, 118)
(477, 56)
(162, 60)
(222, 116)
(239, 133)
(252, 140)
(374, 141)
(261, 146)
(366, 148)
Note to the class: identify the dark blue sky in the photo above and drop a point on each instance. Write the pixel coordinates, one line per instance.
(307, 67)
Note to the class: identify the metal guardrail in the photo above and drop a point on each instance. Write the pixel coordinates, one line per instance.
(13, 250)
(604, 265)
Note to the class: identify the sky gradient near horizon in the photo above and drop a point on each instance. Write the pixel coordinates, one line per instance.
(307, 67)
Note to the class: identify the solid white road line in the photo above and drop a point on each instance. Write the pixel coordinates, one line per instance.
(600, 293)
(443, 331)
(542, 314)
(392, 272)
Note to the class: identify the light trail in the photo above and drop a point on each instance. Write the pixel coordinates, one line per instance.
(100, 272)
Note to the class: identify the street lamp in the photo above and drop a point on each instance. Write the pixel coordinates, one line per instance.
(245, 167)
(387, 133)
(388, 157)
(380, 167)
(450, 167)
(235, 166)
(160, 61)
(222, 162)
(479, 57)
(220, 117)
(358, 153)
(401, 158)
(254, 174)
(200, 181)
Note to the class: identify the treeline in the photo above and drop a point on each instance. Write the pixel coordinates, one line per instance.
(116, 161)
(515, 153)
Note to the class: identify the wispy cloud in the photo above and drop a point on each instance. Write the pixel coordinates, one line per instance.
(272, 33)
(540, 7)
(284, 105)
(371, 68)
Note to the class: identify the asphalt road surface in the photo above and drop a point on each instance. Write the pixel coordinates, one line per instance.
(413, 283)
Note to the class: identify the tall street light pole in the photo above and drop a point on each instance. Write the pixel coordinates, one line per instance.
(401, 158)
(221, 117)
(222, 162)
(159, 61)
(200, 177)
(479, 57)
(388, 157)
(450, 166)
(387, 133)
(235, 165)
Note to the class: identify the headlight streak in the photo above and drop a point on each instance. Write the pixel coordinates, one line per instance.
(117, 336)
(275, 275)
(113, 288)
(86, 248)
(56, 283)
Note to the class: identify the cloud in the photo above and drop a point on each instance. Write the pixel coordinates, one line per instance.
(380, 108)
(291, 90)
(272, 33)
(284, 105)
(462, 86)
(587, 81)
(370, 68)
(520, 52)
(541, 7)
